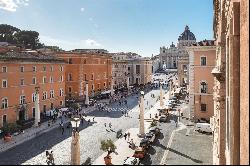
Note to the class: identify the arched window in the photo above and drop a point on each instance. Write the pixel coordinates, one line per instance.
(203, 87)
(4, 103)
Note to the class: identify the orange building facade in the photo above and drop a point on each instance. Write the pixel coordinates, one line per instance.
(202, 61)
(20, 73)
(82, 68)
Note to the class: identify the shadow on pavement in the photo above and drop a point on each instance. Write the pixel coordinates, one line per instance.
(151, 150)
(146, 160)
(184, 155)
(38, 145)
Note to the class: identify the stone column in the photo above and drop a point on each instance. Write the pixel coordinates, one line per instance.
(37, 108)
(161, 95)
(128, 83)
(75, 148)
(142, 129)
(87, 94)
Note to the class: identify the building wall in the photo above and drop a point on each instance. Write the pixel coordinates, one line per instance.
(244, 84)
(14, 89)
(119, 73)
(87, 64)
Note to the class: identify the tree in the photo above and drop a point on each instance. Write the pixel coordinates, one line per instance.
(153, 123)
(7, 33)
(29, 39)
(75, 106)
(108, 146)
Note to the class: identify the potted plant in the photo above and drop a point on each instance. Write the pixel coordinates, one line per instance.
(108, 146)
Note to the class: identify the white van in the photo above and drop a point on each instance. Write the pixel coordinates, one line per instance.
(203, 127)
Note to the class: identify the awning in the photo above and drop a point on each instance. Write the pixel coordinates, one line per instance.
(106, 92)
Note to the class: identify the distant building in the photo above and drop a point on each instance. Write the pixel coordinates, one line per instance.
(169, 56)
(101, 51)
(201, 63)
(81, 68)
(20, 73)
(155, 63)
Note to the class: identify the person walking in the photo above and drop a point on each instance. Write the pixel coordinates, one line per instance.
(93, 119)
(128, 136)
(62, 130)
(110, 125)
(125, 136)
(105, 125)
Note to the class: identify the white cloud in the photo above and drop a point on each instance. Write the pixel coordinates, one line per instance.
(82, 9)
(90, 19)
(12, 5)
(69, 45)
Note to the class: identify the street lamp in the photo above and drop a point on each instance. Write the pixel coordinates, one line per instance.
(142, 129)
(75, 144)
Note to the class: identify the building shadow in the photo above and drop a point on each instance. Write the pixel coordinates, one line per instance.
(184, 155)
(42, 142)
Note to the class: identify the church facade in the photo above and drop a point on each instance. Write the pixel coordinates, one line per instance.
(169, 56)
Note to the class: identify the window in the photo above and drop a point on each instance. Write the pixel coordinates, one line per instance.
(70, 77)
(33, 97)
(51, 79)
(4, 69)
(52, 94)
(92, 77)
(44, 68)
(84, 61)
(44, 108)
(34, 80)
(51, 68)
(104, 84)
(33, 112)
(51, 105)
(61, 92)
(34, 68)
(70, 89)
(4, 120)
(137, 69)
(44, 79)
(105, 75)
(22, 69)
(4, 103)
(22, 82)
(203, 61)
(70, 61)
(61, 103)
(61, 79)
(203, 86)
(44, 95)
(61, 68)
(4, 83)
(128, 68)
(85, 77)
(98, 86)
(203, 107)
(22, 99)
(92, 87)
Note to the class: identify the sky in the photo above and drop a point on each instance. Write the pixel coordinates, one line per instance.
(140, 26)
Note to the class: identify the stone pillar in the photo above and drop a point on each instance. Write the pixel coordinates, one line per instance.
(161, 95)
(75, 148)
(37, 108)
(142, 129)
(87, 94)
(128, 83)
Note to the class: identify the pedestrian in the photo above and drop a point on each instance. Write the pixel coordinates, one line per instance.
(62, 130)
(88, 121)
(149, 115)
(128, 135)
(105, 124)
(93, 119)
(110, 125)
(125, 136)
(82, 119)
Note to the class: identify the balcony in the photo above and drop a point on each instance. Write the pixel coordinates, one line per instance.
(218, 74)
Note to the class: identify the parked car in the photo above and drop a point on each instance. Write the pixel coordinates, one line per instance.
(154, 130)
(163, 118)
(131, 161)
(203, 127)
(150, 136)
(139, 153)
(145, 143)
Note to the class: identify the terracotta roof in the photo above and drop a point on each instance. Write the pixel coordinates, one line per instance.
(29, 57)
(205, 43)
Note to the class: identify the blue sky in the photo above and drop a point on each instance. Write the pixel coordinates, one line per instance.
(140, 26)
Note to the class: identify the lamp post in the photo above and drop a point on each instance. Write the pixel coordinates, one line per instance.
(111, 87)
(142, 129)
(87, 93)
(37, 108)
(161, 95)
(75, 144)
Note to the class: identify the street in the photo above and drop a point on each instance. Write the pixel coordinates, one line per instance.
(33, 151)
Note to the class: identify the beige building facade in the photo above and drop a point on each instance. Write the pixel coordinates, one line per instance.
(202, 61)
(182, 71)
(231, 82)
(119, 73)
